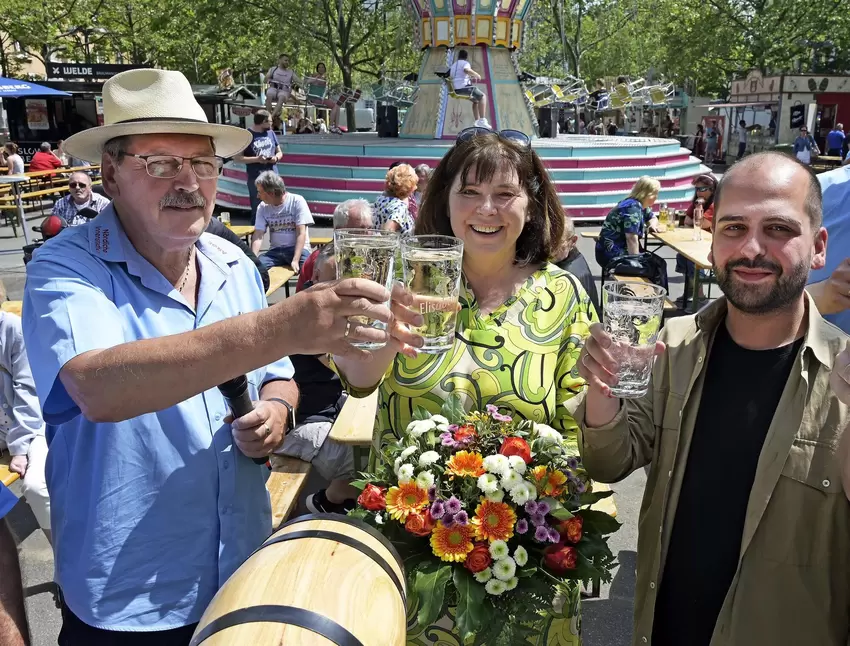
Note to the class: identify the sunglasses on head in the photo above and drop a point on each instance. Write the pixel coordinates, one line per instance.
(510, 135)
(77, 185)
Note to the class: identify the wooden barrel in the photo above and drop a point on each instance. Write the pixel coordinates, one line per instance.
(320, 579)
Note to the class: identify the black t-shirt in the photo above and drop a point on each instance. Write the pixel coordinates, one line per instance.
(742, 390)
(320, 386)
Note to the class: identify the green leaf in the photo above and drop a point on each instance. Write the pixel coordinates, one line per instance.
(471, 611)
(557, 510)
(526, 572)
(592, 497)
(420, 413)
(453, 409)
(359, 484)
(597, 522)
(430, 586)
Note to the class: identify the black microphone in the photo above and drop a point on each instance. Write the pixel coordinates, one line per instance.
(235, 391)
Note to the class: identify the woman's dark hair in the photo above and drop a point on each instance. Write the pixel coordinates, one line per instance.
(462, 55)
(322, 65)
(700, 127)
(707, 179)
(485, 155)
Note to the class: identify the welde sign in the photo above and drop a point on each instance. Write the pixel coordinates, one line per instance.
(86, 70)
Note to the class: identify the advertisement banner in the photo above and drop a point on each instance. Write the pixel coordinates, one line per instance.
(37, 118)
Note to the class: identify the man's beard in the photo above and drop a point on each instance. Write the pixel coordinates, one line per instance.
(759, 299)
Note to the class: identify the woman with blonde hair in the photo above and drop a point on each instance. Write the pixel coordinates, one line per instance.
(625, 224)
(391, 209)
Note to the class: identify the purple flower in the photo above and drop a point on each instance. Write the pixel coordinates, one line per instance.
(438, 510)
(581, 487)
(521, 526)
(572, 463)
(492, 409)
(446, 439)
(462, 519)
(453, 427)
(453, 505)
(541, 534)
(538, 519)
(432, 494)
(543, 508)
(502, 418)
(449, 520)
(554, 536)
(531, 507)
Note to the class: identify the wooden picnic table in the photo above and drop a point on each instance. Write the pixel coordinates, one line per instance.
(354, 424)
(681, 240)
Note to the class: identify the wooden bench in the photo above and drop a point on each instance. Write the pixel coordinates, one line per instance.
(356, 420)
(321, 241)
(285, 484)
(6, 477)
(14, 307)
(669, 306)
(279, 277)
(590, 234)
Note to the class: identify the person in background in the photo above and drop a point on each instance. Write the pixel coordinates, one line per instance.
(749, 378)
(423, 172)
(287, 216)
(742, 139)
(322, 398)
(304, 127)
(829, 286)
(14, 162)
(351, 214)
(462, 75)
(625, 224)
(260, 155)
(391, 209)
(60, 153)
(805, 147)
(611, 128)
(216, 228)
(569, 258)
(13, 617)
(320, 126)
(711, 138)
(835, 141)
(45, 159)
(81, 204)
(280, 80)
(332, 104)
(699, 142)
(704, 187)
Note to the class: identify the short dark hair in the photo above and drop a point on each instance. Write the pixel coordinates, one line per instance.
(395, 163)
(462, 55)
(486, 155)
(814, 196)
(260, 116)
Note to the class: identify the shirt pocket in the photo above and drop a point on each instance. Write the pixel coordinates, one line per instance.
(807, 517)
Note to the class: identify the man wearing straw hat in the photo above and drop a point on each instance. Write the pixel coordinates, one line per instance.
(131, 320)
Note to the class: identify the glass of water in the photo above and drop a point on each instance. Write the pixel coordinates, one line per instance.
(432, 271)
(632, 314)
(224, 218)
(370, 254)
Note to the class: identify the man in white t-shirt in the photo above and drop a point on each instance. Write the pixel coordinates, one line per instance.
(462, 74)
(286, 216)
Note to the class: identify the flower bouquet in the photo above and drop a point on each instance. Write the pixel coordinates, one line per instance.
(493, 518)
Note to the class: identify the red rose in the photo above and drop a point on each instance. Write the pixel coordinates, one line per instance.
(479, 558)
(372, 498)
(465, 433)
(570, 530)
(420, 524)
(516, 446)
(560, 558)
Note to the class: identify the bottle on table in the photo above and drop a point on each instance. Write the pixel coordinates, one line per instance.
(698, 220)
(670, 215)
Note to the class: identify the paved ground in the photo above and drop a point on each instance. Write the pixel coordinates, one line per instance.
(607, 620)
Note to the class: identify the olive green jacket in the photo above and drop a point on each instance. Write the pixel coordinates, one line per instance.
(792, 585)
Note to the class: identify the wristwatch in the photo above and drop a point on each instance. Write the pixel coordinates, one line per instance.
(290, 415)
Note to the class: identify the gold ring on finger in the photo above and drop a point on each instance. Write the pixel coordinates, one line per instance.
(267, 431)
(347, 329)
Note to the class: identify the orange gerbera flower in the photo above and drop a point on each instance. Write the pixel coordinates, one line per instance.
(452, 543)
(494, 521)
(548, 483)
(406, 499)
(465, 464)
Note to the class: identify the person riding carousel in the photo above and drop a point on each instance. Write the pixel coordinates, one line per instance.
(333, 105)
(280, 80)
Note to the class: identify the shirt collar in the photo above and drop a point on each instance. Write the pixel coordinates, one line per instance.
(817, 335)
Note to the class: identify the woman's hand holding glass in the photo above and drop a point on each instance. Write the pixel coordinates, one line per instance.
(401, 337)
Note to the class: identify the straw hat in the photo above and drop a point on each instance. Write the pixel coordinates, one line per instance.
(151, 101)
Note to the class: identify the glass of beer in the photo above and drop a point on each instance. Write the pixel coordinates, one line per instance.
(370, 254)
(224, 218)
(632, 315)
(432, 271)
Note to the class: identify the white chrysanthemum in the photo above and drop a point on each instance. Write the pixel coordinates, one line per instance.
(484, 575)
(511, 583)
(499, 550)
(379, 518)
(420, 427)
(548, 434)
(495, 587)
(410, 450)
(497, 464)
(496, 496)
(520, 556)
(397, 465)
(510, 480)
(531, 490)
(504, 569)
(428, 458)
(519, 494)
(439, 419)
(517, 464)
(488, 483)
(425, 480)
(405, 473)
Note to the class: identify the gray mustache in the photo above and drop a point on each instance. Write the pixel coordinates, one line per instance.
(182, 200)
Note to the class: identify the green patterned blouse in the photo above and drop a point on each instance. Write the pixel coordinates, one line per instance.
(521, 357)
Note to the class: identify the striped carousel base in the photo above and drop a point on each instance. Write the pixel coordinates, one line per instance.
(591, 173)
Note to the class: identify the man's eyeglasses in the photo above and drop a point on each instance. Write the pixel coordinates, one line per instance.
(73, 185)
(510, 135)
(169, 166)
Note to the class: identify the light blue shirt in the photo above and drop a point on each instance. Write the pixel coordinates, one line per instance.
(835, 185)
(20, 418)
(153, 514)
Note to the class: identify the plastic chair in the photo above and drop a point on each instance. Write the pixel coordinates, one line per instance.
(316, 90)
